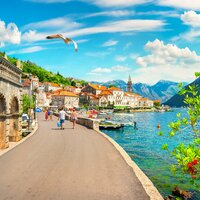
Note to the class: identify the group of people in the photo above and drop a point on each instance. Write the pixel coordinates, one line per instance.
(48, 115)
(62, 116)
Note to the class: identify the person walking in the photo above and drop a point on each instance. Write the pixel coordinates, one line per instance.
(46, 115)
(51, 115)
(61, 117)
(74, 117)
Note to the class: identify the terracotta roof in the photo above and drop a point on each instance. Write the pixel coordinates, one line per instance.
(52, 84)
(59, 90)
(114, 88)
(156, 101)
(131, 94)
(55, 85)
(143, 99)
(98, 87)
(136, 94)
(65, 93)
(26, 83)
(106, 92)
(94, 97)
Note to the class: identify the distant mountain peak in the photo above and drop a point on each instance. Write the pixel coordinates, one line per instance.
(162, 90)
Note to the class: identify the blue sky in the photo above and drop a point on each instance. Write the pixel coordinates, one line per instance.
(151, 40)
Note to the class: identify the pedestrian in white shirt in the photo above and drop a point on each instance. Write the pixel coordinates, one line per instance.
(61, 117)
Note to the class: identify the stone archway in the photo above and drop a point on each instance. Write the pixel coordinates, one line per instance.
(14, 133)
(2, 122)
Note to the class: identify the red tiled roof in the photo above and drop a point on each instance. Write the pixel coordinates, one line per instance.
(143, 99)
(106, 92)
(26, 83)
(114, 88)
(64, 93)
(98, 87)
(156, 101)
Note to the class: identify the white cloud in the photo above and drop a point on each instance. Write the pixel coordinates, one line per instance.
(191, 18)
(112, 13)
(101, 70)
(190, 35)
(33, 35)
(170, 13)
(55, 23)
(167, 62)
(27, 50)
(121, 26)
(186, 4)
(2, 44)
(108, 27)
(110, 43)
(117, 3)
(120, 68)
(121, 58)
(9, 34)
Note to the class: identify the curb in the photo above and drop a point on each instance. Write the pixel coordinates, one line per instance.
(2, 152)
(145, 181)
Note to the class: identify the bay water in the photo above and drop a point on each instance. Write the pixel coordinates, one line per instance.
(144, 146)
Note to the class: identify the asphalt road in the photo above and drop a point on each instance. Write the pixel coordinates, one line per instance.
(70, 164)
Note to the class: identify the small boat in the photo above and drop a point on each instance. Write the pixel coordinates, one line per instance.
(110, 125)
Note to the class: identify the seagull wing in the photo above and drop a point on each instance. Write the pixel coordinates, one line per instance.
(55, 36)
(66, 40)
(75, 45)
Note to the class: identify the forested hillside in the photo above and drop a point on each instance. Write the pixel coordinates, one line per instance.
(178, 100)
(44, 75)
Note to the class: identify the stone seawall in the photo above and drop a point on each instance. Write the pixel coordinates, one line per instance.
(87, 122)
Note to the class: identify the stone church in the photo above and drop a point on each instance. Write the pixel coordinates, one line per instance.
(10, 102)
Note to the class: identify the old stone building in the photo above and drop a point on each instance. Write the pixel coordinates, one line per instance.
(10, 102)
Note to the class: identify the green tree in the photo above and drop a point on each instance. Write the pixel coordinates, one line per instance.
(27, 103)
(187, 156)
(156, 104)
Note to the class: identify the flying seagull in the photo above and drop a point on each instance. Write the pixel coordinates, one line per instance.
(66, 40)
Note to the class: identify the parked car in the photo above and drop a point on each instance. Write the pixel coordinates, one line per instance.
(38, 110)
(25, 120)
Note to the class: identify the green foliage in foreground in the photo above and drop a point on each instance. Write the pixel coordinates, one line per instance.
(44, 75)
(27, 103)
(187, 156)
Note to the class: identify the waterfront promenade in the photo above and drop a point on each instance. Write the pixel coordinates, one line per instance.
(74, 164)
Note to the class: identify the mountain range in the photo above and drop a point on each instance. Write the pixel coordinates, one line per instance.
(177, 100)
(162, 90)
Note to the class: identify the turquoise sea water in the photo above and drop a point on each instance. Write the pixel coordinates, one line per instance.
(144, 147)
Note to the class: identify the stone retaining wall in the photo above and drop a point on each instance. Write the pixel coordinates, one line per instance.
(87, 122)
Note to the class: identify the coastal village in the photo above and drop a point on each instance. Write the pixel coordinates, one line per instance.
(99, 100)
(54, 96)
(50, 95)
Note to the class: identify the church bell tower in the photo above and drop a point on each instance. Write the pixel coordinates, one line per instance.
(129, 84)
